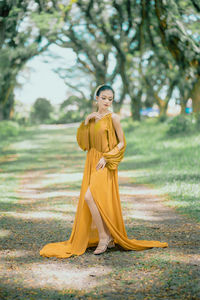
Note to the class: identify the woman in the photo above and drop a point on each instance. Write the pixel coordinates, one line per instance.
(99, 221)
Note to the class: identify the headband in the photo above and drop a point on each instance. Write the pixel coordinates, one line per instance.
(95, 93)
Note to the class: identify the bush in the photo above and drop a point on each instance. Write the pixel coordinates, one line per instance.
(162, 118)
(9, 128)
(180, 124)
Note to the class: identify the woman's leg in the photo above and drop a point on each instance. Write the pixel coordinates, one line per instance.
(101, 226)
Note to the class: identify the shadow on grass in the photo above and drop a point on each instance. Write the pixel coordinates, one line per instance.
(135, 165)
(133, 277)
(145, 273)
(156, 273)
(176, 287)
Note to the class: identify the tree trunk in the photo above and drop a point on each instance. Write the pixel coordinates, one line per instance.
(163, 109)
(136, 106)
(117, 106)
(196, 96)
(161, 104)
(8, 108)
(1, 112)
(183, 106)
(6, 102)
(94, 105)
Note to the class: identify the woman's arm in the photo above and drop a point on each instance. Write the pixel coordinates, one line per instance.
(115, 155)
(118, 129)
(82, 136)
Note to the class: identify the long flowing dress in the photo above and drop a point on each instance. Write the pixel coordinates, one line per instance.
(98, 139)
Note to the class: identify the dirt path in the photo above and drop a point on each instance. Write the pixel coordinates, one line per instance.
(44, 212)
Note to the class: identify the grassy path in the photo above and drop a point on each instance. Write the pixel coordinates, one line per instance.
(41, 175)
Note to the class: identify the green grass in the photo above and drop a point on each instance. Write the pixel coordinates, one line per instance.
(45, 212)
(171, 164)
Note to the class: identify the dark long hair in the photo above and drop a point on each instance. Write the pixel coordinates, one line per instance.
(104, 87)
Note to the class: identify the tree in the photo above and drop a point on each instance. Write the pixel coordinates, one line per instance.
(119, 24)
(151, 47)
(92, 50)
(41, 110)
(74, 109)
(20, 41)
(181, 39)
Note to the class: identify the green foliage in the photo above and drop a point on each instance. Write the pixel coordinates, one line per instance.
(20, 40)
(48, 23)
(41, 110)
(180, 124)
(69, 117)
(147, 48)
(73, 109)
(197, 119)
(9, 128)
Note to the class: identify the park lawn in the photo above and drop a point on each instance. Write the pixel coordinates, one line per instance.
(169, 163)
(40, 180)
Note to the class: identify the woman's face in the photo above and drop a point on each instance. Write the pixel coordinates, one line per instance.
(105, 99)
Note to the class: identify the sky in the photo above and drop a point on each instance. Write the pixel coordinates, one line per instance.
(39, 80)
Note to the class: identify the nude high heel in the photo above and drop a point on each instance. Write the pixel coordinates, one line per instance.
(102, 246)
(111, 244)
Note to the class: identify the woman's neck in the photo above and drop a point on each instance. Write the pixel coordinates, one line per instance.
(103, 112)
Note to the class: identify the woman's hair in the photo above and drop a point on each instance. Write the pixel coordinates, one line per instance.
(102, 88)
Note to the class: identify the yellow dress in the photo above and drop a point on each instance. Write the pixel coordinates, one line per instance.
(98, 139)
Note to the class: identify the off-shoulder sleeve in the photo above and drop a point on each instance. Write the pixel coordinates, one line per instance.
(82, 136)
(114, 156)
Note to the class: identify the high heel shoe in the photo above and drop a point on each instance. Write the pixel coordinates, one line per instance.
(102, 246)
(111, 244)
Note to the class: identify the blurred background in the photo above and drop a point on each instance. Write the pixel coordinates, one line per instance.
(53, 55)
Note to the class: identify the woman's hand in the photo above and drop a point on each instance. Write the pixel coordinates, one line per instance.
(101, 164)
(92, 115)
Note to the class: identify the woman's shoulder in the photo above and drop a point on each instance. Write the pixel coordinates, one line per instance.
(115, 117)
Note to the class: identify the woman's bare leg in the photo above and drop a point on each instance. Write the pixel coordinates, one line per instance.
(101, 226)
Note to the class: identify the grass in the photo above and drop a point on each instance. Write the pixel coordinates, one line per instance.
(40, 180)
(170, 164)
